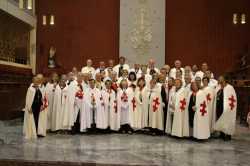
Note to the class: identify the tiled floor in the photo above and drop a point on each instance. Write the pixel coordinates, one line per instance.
(124, 149)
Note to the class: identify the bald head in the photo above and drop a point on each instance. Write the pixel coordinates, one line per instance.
(151, 63)
(89, 62)
(111, 63)
(177, 64)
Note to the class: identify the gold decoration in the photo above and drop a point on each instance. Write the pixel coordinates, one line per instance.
(243, 18)
(52, 20)
(235, 18)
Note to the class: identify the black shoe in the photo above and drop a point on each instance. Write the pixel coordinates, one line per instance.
(227, 138)
(222, 136)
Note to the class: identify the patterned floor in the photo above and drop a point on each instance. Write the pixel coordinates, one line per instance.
(118, 149)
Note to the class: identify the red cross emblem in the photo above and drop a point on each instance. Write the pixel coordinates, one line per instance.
(134, 105)
(156, 104)
(209, 97)
(124, 97)
(115, 106)
(79, 94)
(232, 102)
(183, 104)
(203, 108)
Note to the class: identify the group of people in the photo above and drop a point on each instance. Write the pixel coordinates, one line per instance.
(181, 102)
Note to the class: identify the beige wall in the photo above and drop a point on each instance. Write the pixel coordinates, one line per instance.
(153, 19)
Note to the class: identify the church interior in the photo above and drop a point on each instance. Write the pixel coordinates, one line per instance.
(61, 37)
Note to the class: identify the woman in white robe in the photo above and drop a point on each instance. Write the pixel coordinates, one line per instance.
(140, 106)
(199, 121)
(210, 93)
(31, 128)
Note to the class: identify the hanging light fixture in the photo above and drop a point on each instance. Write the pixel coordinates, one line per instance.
(52, 19)
(29, 4)
(21, 4)
(44, 20)
(243, 18)
(235, 18)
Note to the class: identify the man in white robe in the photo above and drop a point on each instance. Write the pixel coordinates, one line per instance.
(101, 69)
(75, 102)
(151, 67)
(88, 69)
(109, 69)
(94, 117)
(178, 106)
(121, 66)
(177, 67)
(153, 116)
(201, 73)
(123, 107)
(226, 107)
(59, 106)
(114, 80)
(137, 70)
(187, 85)
(70, 78)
